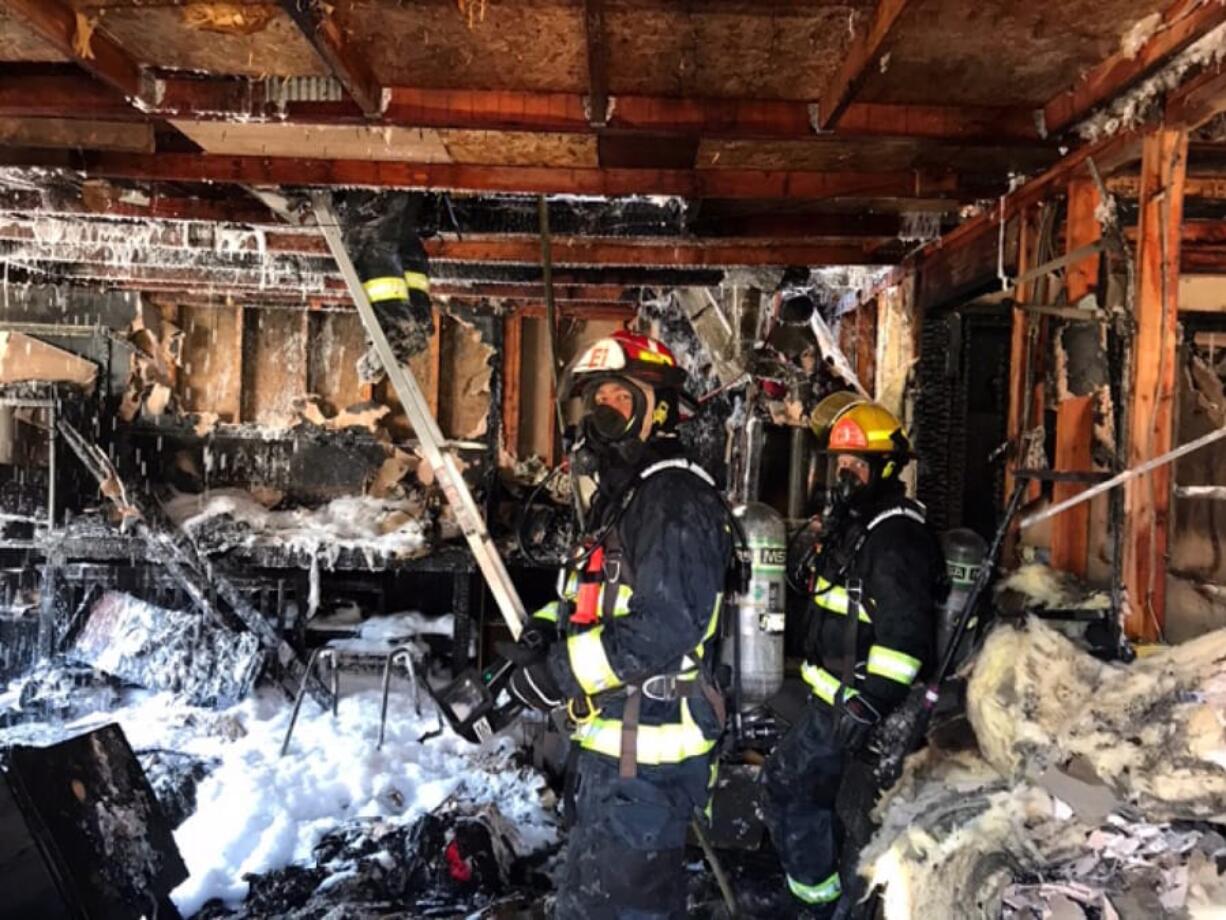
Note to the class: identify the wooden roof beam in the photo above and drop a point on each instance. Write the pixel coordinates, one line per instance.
(68, 31)
(870, 44)
(1184, 22)
(60, 95)
(698, 183)
(320, 28)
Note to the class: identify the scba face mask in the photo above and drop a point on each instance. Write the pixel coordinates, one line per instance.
(604, 432)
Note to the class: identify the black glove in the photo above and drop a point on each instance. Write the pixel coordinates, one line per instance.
(854, 720)
(531, 683)
(534, 686)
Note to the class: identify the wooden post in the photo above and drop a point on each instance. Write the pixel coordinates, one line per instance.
(512, 360)
(436, 352)
(1152, 388)
(1070, 535)
(1018, 351)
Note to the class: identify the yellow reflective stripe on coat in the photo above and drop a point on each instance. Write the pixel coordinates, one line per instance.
(897, 666)
(549, 613)
(386, 288)
(416, 281)
(622, 607)
(656, 744)
(835, 599)
(824, 684)
(589, 662)
(824, 892)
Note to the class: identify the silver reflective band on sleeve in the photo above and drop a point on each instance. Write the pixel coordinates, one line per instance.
(824, 892)
(896, 666)
(824, 684)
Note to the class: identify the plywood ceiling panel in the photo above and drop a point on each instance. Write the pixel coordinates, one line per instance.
(343, 142)
(74, 133)
(158, 35)
(527, 46)
(771, 55)
(518, 148)
(999, 52)
(17, 43)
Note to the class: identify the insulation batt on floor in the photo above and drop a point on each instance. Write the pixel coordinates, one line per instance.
(257, 811)
(1090, 795)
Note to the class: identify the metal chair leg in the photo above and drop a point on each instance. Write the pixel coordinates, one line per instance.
(319, 655)
(404, 655)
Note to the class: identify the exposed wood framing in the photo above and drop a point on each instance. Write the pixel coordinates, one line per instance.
(1022, 351)
(1070, 535)
(698, 183)
(1183, 23)
(315, 22)
(867, 48)
(1108, 154)
(1198, 100)
(63, 95)
(490, 250)
(512, 360)
(1152, 388)
(58, 23)
(597, 62)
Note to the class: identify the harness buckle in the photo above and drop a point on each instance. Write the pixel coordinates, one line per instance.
(612, 568)
(666, 688)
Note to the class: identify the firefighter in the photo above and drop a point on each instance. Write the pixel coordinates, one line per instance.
(628, 647)
(383, 235)
(878, 581)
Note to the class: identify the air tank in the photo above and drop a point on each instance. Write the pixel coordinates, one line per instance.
(756, 618)
(965, 552)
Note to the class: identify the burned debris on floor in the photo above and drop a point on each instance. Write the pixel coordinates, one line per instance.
(453, 862)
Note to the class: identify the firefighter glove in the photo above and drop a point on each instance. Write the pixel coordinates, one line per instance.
(535, 687)
(854, 721)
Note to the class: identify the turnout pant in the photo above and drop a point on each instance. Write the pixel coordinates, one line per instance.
(625, 853)
(802, 781)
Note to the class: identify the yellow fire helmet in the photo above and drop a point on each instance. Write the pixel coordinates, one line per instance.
(847, 424)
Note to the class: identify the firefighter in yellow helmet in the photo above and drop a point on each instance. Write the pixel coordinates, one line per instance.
(875, 585)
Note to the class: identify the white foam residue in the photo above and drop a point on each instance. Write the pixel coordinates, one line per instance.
(259, 811)
(1132, 108)
(1141, 31)
(356, 522)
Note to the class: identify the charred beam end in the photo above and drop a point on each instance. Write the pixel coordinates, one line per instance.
(866, 49)
(320, 29)
(597, 63)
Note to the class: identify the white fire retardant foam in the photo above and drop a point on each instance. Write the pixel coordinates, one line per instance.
(259, 811)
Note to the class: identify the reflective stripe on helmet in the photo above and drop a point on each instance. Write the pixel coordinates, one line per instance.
(897, 666)
(825, 685)
(834, 598)
(826, 891)
(386, 288)
(589, 662)
(656, 744)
